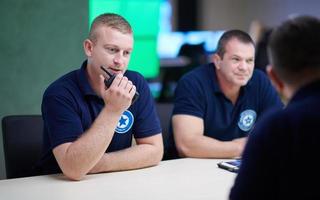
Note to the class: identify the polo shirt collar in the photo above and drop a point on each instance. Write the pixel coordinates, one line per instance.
(83, 81)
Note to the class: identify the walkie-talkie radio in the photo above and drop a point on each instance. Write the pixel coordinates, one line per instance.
(109, 81)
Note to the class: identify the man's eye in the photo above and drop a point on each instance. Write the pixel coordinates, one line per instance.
(126, 53)
(235, 59)
(250, 61)
(112, 50)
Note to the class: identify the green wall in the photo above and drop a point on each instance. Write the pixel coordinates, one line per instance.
(145, 25)
(39, 41)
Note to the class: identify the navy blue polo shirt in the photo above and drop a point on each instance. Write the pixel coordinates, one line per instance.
(279, 159)
(70, 106)
(198, 94)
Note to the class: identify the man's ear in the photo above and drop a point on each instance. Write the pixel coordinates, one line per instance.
(87, 47)
(216, 60)
(275, 80)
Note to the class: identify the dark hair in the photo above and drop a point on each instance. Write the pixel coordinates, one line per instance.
(111, 20)
(228, 35)
(294, 48)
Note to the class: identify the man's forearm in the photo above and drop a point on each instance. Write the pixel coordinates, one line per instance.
(77, 158)
(135, 157)
(207, 147)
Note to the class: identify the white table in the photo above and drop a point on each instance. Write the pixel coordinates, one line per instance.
(180, 179)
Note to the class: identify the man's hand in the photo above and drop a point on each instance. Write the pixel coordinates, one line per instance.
(118, 96)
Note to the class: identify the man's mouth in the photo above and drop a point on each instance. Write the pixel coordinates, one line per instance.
(115, 71)
(241, 76)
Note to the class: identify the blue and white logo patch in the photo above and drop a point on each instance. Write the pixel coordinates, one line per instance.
(125, 122)
(247, 119)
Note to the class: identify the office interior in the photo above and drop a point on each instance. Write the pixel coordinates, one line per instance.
(42, 40)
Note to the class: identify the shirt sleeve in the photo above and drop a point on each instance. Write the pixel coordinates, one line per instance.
(189, 98)
(61, 120)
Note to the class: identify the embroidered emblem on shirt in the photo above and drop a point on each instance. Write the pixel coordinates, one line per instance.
(125, 122)
(247, 119)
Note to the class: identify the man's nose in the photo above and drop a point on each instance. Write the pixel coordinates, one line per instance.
(118, 59)
(243, 65)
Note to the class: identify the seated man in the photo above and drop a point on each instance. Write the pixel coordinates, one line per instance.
(216, 105)
(88, 127)
(279, 159)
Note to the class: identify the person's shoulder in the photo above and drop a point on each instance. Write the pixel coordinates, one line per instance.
(198, 74)
(259, 79)
(134, 75)
(137, 78)
(274, 116)
(304, 104)
(280, 118)
(63, 83)
(259, 75)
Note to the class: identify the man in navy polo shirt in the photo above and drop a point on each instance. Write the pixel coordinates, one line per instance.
(279, 161)
(216, 105)
(88, 127)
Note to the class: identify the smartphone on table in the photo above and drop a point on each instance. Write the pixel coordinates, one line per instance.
(232, 165)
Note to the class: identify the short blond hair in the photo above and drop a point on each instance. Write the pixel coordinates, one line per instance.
(111, 20)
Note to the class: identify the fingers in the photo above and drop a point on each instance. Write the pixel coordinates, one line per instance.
(129, 85)
(117, 81)
(101, 85)
(123, 83)
(132, 91)
(119, 95)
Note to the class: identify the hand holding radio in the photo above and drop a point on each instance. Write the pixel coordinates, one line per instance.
(109, 81)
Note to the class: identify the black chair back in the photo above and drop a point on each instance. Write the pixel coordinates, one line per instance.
(22, 141)
(164, 112)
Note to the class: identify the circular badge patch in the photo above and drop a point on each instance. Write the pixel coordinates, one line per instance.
(247, 119)
(125, 122)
